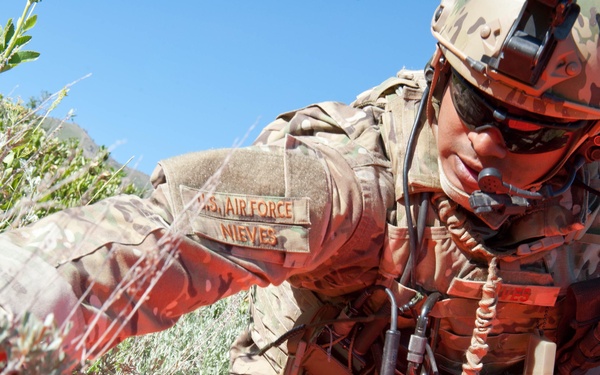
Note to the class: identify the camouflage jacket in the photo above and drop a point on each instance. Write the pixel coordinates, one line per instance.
(312, 202)
(541, 254)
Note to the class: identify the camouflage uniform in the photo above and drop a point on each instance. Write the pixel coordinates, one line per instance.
(218, 222)
(314, 212)
(313, 203)
(545, 253)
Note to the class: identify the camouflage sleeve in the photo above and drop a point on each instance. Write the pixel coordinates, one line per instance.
(217, 222)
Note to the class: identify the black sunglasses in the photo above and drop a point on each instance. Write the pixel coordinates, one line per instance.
(522, 135)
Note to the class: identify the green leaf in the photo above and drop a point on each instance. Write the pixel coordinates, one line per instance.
(22, 40)
(8, 24)
(23, 56)
(6, 67)
(7, 173)
(5, 39)
(8, 159)
(9, 32)
(30, 22)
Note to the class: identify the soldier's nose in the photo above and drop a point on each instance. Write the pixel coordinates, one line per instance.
(487, 141)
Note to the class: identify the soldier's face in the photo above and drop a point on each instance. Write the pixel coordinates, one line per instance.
(464, 153)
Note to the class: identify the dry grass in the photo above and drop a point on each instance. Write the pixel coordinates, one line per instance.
(197, 344)
(40, 175)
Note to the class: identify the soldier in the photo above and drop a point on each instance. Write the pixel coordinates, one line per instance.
(454, 210)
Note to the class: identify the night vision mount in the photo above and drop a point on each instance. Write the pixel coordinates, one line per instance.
(531, 41)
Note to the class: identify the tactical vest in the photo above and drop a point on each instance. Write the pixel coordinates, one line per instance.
(535, 262)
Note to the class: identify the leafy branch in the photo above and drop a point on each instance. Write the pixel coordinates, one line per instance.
(13, 39)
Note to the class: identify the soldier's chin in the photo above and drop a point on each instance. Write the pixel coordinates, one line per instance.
(454, 190)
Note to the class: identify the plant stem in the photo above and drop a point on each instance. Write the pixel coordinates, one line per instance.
(13, 40)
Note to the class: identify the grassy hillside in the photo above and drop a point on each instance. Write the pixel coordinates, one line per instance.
(197, 344)
(64, 130)
(42, 171)
(47, 165)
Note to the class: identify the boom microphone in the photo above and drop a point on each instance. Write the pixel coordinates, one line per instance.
(490, 181)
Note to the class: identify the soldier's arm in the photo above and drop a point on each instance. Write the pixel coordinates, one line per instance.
(217, 222)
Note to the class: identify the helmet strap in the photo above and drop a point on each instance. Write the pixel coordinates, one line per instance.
(437, 73)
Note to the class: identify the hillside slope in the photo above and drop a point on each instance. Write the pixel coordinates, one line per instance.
(67, 130)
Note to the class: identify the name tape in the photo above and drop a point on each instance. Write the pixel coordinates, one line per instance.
(272, 223)
(524, 294)
(288, 238)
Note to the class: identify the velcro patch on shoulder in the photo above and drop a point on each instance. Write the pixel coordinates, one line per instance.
(272, 223)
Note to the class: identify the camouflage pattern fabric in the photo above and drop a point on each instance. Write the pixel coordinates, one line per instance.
(472, 31)
(310, 208)
(474, 34)
(535, 273)
(542, 254)
(313, 202)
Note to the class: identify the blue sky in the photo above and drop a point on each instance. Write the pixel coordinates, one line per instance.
(174, 77)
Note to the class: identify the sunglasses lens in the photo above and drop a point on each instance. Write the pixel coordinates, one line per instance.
(470, 107)
(534, 142)
(521, 136)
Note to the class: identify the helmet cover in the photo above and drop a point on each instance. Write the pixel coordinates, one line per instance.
(537, 55)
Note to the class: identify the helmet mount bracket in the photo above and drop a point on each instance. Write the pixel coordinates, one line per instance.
(532, 39)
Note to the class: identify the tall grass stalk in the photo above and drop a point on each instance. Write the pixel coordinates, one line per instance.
(197, 344)
(40, 175)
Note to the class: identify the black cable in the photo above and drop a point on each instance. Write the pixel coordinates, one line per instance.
(303, 327)
(421, 219)
(577, 164)
(392, 340)
(425, 310)
(417, 345)
(410, 149)
(432, 362)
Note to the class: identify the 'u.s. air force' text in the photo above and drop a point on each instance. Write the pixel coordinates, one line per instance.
(248, 207)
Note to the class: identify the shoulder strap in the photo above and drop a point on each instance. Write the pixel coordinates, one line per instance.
(400, 98)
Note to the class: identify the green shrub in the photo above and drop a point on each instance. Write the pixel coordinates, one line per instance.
(41, 174)
(13, 39)
(197, 344)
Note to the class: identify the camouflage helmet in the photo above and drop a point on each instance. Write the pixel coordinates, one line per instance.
(537, 55)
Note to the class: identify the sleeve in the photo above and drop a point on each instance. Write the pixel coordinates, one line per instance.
(217, 223)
